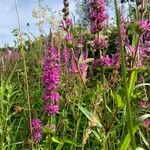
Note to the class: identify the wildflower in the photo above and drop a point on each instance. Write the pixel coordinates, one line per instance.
(107, 61)
(69, 40)
(144, 104)
(96, 63)
(68, 22)
(51, 79)
(73, 66)
(69, 37)
(146, 122)
(36, 130)
(55, 97)
(10, 55)
(98, 15)
(144, 26)
(65, 55)
(65, 25)
(145, 47)
(130, 49)
(51, 109)
(100, 43)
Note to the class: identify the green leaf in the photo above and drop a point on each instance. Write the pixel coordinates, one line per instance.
(88, 114)
(120, 103)
(127, 139)
(55, 140)
(48, 130)
(68, 141)
(132, 83)
(97, 135)
(144, 139)
(117, 99)
(59, 147)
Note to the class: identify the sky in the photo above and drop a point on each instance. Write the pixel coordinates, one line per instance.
(8, 17)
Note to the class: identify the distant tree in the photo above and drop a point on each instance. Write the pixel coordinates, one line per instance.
(82, 9)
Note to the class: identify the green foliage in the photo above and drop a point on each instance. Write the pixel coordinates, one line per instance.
(93, 115)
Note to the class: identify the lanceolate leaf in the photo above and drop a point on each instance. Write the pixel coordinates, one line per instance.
(88, 114)
(127, 139)
(132, 83)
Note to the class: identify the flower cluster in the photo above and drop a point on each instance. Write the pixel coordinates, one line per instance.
(73, 66)
(36, 130)
(51, 80)
(69, 37)
(10, 55)
(69, 40)
(98, 15)
(145, 48)
(66, 53)
(144, 104)
(147, 122)
(144, 26)
(65, 25)
(107, 61)
(100, 43)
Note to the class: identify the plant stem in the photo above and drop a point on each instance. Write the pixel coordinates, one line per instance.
(25, 72)
(124, 75)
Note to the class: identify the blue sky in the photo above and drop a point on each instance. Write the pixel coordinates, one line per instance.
(8, 17)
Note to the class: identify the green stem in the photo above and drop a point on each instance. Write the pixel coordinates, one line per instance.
(124, 75)
(2, 109)
(25, 73)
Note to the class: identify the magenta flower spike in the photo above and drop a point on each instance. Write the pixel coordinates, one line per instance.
(144, 25)
(36, 130)
(98, 15)
(51, 78)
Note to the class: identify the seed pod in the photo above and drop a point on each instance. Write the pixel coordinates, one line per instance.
(64, 17)
(65, 9)
(66, 3)
(67, 13)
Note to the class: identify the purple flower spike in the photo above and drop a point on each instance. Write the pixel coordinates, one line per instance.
(98, 15)
(69, 37)
(36, 130)
(144, 25)
(107, 61)
(51, 78)
(101, 43)
(55, 97)
(68, 22)
(51, 109)
(66, 55)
